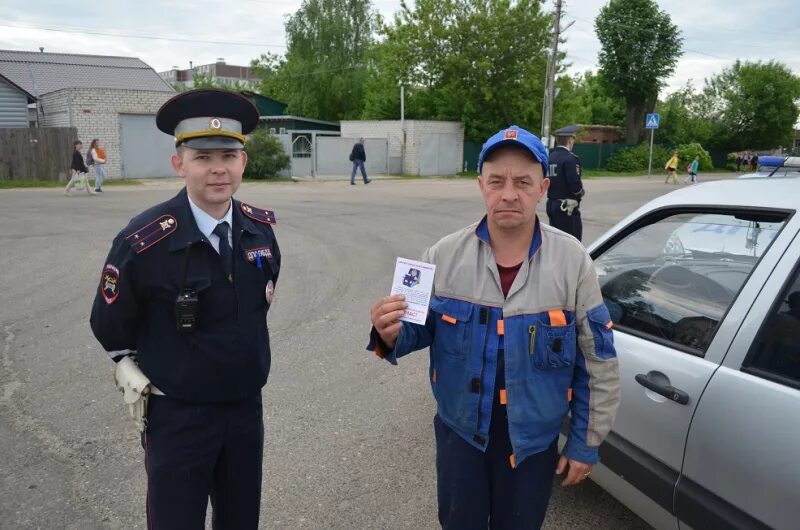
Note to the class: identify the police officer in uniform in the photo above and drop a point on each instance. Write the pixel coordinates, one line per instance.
(182, 308)
(566, 189)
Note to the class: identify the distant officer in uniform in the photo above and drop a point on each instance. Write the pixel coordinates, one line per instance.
(182, 308)
(566, 189)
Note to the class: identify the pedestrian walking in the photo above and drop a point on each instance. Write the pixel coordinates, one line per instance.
(672, 168)
(566, 188)
(691, 169)
(358, 156)
(739, 161)
(78, 171)
(97, 157)
(519, 335)
(182, 309)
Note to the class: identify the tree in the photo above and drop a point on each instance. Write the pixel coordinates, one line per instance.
(640, 48)
(323, 72)
(585, 98)
(480, 62)
(754, 105)
(202, 80)
(685, 118)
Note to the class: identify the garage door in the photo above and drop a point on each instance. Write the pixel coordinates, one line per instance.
(439, 155)
(145, 150)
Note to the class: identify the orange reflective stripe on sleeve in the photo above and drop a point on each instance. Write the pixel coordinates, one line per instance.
(513, 461)
(501, 327)
(503, 397)
(569, 394)
(449, 319)
(557, 318)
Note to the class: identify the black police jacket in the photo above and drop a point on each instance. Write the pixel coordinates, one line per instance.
(565, 175)
(227, 356)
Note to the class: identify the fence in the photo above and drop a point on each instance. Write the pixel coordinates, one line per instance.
(43, 154)
(595, 156)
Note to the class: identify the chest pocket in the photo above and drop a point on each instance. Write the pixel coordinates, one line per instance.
(554, 346)
(452, 326)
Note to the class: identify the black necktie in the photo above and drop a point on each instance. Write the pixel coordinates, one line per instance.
(225, 252)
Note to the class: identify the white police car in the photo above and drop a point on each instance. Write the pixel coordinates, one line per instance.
(703, 285)
(775, 167)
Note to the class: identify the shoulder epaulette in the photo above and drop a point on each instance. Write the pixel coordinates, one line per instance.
(257, 214)
(151, 233)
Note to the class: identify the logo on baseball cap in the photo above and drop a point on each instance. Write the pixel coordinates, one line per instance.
(515, 136)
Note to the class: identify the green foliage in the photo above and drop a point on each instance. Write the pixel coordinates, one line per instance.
(684, 118)
(754, 105)
(634, 159)
(476, 61)
(202, 80)
(586, 99)
(640, 48)
(686, 154)
(265, 156)
(325, 68)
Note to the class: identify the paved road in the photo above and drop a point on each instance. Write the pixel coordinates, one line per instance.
(349, 440)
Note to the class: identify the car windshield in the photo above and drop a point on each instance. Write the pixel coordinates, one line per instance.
(675, 278)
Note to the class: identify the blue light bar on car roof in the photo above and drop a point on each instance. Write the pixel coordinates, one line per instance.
(779, 161)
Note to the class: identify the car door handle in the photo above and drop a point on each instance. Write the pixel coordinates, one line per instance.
(669, 392)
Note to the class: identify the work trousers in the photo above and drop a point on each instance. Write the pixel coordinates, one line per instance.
(479, 490)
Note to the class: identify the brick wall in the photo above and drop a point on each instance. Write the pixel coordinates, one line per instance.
(415, 132)
(95, 112)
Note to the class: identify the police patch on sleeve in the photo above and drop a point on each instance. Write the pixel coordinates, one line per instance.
(109, 283)
(269, 292)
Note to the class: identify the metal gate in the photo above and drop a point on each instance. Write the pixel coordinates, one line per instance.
(145, 151)
(439, 155)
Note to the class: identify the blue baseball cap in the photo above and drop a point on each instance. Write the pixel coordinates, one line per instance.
(515, 136)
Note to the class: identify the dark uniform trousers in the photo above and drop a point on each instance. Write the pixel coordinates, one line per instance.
(192, 449)
(571, 224)
(480, 490)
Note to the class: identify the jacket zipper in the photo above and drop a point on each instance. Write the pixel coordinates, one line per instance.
(485, 318)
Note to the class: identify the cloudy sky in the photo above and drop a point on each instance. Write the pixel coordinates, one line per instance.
(165, 33)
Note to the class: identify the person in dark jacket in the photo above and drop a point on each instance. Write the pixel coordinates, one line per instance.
(358, 156)
(566, 189)
(77, 170)
(186, 289)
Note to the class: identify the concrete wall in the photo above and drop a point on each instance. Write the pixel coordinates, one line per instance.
(416, 130)
(95, 113)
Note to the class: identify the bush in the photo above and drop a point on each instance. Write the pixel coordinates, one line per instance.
(265, 156)
(687, 152)
(634, 159)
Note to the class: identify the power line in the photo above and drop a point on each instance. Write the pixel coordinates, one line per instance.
(131, 36)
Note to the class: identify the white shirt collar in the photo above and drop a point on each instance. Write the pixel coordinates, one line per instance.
(205, 222)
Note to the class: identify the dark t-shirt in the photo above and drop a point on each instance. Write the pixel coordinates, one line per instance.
(77, 162)
(507, 275)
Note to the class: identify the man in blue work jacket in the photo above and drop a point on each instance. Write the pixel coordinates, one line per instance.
(185, 290)
(519, 337)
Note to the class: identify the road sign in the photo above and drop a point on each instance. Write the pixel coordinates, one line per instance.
(651, 122)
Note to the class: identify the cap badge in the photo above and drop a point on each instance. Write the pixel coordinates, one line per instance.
(510, 134)
(215, 124)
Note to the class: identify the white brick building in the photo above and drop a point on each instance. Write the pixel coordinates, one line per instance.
(113, 99)
(431, 147)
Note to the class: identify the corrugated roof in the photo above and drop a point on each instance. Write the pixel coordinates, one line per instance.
(40, 73)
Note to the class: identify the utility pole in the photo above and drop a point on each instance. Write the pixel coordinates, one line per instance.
(549, 89)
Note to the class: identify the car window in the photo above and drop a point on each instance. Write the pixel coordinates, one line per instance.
(776, 349)
(673, 280)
